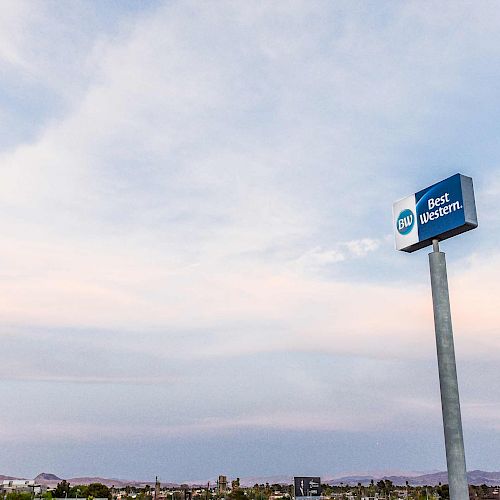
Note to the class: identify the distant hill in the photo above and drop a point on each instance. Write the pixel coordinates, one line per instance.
(353, 480)
(117, 483)
(52, 480)
(475, 477)
(481, 477)
(44, 476)
(250, 481)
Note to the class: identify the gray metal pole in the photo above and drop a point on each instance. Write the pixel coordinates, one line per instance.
(450, 402)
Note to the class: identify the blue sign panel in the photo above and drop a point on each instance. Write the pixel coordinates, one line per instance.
(440, 211)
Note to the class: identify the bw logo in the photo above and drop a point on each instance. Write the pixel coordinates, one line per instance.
(405, 222)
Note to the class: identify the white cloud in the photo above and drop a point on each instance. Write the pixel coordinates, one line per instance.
(213, 164)
(319, 257)
(362, 247)
(159, 202)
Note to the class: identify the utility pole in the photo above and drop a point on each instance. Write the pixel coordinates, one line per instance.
(450, 401)
(157, 488)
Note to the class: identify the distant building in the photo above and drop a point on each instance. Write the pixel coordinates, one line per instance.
(21, 485)
(221, 485)
(235, 484)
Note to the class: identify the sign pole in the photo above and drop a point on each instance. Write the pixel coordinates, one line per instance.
(450, 402)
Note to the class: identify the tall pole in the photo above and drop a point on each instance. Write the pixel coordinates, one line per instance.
(450, 402)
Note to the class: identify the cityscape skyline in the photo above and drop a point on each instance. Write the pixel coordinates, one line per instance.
(365, 478)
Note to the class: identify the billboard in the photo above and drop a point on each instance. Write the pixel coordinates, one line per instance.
(307, 487)
(440, 211)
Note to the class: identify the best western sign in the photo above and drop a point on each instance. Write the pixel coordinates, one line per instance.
(438, 212)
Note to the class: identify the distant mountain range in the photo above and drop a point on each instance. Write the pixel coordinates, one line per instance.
(6, 478)
(52, 480)
(476, 477)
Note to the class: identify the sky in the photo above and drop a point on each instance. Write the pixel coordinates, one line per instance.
(197, 268)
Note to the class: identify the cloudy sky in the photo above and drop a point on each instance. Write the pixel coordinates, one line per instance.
(198, 274)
